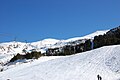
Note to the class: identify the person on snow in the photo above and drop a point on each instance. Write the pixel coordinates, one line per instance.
(99, 77)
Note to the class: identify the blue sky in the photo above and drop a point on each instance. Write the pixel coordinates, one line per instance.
(34, 20)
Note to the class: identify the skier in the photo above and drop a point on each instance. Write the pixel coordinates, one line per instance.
(99, 77)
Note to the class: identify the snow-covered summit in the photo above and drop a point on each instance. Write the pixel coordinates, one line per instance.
(9, 49)
(46, 42)
(90, 36)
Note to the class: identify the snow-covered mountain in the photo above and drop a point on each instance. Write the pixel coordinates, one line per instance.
(104, 61)
(9, 49)
(90, 36)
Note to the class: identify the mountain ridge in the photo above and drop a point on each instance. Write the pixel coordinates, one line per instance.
(12, 48)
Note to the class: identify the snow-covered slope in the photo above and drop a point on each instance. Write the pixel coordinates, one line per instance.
(9, 49)
(104, 61)
(45, 42)
(90, 36)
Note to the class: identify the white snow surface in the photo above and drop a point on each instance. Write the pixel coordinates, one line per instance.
(104, 61)
(90, 36)
(45, 42)
(9, 49)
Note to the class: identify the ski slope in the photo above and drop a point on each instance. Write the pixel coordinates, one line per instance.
(104, 61)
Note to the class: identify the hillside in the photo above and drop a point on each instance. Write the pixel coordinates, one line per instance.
(79, 58)
(9, 49)
(104, 61)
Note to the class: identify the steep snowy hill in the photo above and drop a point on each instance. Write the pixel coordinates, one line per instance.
(104, 61)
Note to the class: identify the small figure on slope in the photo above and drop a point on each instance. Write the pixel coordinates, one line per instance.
(99, 77)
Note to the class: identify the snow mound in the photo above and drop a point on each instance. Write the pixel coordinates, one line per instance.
(46, 41)
(104, 61)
